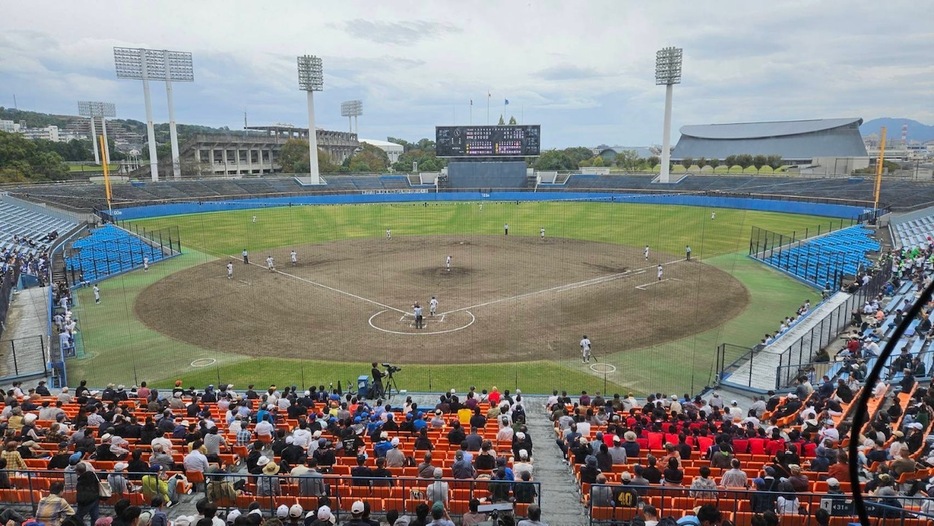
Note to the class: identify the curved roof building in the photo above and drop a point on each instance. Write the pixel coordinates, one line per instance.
(796, 141)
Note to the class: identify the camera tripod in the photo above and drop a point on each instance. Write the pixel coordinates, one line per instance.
(389, 387)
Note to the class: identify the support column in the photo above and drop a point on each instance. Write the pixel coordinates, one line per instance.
(106, 142)
(226, 162)
(97, 156)
(664, 176)
(314, 176)
(173, 134)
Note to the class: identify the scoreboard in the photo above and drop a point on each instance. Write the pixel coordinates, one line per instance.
(488, 141)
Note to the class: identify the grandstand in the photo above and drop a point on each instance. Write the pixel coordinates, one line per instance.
(825, 259)
(914, 229)
(110, 250)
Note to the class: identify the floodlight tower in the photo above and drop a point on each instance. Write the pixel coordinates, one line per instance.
(311, 79)
(102, 110)
(144, 64)
(352, 108)
(667, 73)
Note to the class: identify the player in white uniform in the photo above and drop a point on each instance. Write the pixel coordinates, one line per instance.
(433, 306)
(660, 272)
(646, 252)
(270, 264)
(97, 294)
(294, 257)
(254, 219)
(447, 263)
(713, 215)
(229, 270)
(542, 231)
(388, 234)
(585, 349)
(146, 264)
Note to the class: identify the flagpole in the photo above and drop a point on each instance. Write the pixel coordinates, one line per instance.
(488, 95)
(522, 114)
(470, 111)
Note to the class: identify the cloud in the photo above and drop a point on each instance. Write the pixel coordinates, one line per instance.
(570, 72)
(400, 33)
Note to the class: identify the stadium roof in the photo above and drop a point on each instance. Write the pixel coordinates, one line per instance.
(792, 140)
(757, 130)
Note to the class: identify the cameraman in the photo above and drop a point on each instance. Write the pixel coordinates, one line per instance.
(376, 391)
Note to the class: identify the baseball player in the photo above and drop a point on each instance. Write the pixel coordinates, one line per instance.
(246, 257)
(646, 252)
(145, 263)
(388, 234)
(97, 294)
(433, 306)
(585, 349)
(294, 257)
(447, 263)
(542, 232)
(660, 272)
(270, 264)
(229, 270)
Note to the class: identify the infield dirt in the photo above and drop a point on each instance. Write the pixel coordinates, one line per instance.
(505, 298)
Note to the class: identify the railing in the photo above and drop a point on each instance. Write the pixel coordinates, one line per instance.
(403, 494)
(801, 351)
(741, 505)
(23, 358)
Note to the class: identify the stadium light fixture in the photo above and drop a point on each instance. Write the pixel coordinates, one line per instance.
(668, 73)
(311, 79)
(157, 64)
(352, 109)
(102, 110)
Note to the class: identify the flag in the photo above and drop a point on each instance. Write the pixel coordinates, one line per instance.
(471, 102)
(506, 103)
(488, 94)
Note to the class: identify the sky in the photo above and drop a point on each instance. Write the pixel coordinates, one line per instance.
(584, 70)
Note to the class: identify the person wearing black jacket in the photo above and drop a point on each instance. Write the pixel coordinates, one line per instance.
(88, 493)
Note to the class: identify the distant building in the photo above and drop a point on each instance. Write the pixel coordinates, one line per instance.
(392, 149)
(49, 133)
(797, 142)
(9, 126)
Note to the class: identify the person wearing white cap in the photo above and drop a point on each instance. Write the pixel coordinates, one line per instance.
(232, 516)
(522, 464)
(323, 517)
(395, 458)
(282, 512)
(117, 480)
(736, 413)
(437, 491)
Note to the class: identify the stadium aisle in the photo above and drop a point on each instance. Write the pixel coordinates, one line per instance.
(560, 498)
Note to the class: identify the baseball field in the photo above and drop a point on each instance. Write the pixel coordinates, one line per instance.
(511, 308)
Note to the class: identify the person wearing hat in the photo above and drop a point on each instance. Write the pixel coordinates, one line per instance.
(356, 514)
(117, 480)
(522, 463)
(439, 515)
(625, 495)
(322, 517)
(437, 491)
(395, 458)
(462, 468)
(268, 485)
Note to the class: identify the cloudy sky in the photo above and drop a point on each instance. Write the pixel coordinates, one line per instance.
(584, 70)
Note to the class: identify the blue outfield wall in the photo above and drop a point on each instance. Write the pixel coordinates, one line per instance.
(766, 205)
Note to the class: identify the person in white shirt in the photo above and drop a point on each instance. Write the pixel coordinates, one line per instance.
(294, 258)
(229, 270)
(263, 429)
(585, 349)
(542, 231)
(270, 264)
(97, 294)
(433, 304)
(437, 491)
(646, 252)
(447, 263)
(660, 272)
(523, 463)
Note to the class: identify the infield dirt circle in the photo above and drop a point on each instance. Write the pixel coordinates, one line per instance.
(505, 298)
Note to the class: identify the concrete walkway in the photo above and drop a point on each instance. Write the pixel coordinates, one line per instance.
(560, 495)
(26, 325)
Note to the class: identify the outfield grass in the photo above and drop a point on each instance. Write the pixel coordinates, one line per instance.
(121, 347)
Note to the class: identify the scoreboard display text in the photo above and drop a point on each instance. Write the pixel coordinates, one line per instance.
(488, 141)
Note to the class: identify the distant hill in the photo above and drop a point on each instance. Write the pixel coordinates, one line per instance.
(916, 131)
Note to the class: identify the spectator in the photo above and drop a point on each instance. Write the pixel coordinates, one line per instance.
(600, 494)
(437, 491)
(53, 509)
(535, 517)
(88, 493)
(703, 486)
(787, 502)
(524, 491)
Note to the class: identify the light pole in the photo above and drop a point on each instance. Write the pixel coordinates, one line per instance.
(102, 110)
(667, 73)
(352, 108)
(311, 79)
(144, 64)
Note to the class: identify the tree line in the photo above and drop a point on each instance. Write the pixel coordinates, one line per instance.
(23, 160)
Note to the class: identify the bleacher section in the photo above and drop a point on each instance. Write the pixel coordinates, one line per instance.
(819, 260)
(24, 222)
(110, 250)
(504, 176)
(913, 233)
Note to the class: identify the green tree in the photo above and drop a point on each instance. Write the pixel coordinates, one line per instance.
(553, 160)
(406, 145)
(22, 159)
(687, 162)
(713, 162)
(369, 159)
(744, 160)
(759, 161)
(701, 162)
(628, 160)
(512, 121)
(501, 121)
(775, 161)
(654, 161)
(293, 156)
(597, 161)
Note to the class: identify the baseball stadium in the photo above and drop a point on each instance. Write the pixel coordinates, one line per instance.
(686, 294)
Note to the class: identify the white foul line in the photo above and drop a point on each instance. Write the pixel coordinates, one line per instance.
(643, 287)
(332, 289)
